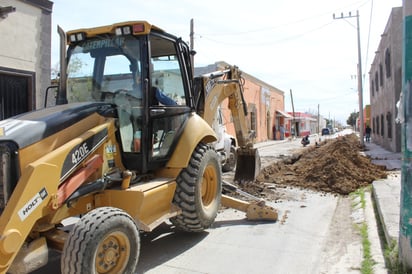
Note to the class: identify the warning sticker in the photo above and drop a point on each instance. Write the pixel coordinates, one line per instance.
(31, 205)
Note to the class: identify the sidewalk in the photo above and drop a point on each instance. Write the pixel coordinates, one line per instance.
(386, 192)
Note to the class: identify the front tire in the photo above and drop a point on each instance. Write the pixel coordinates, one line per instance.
(105, 240)
(198, 191)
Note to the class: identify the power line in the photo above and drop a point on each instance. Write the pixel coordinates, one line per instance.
(266, 43)
(369, 34)
(286, 24)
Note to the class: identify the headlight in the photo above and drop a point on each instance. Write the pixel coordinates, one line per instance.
(126, 30)
(77, 37)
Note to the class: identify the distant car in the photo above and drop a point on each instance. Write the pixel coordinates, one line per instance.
(325, 131)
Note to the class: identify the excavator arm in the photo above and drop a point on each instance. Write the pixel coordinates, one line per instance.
(213, 89)
(216, 87)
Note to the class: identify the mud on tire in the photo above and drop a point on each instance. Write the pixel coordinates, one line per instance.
(198, 191)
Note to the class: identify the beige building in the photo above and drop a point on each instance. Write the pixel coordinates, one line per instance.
(25, 54)
(385, 79)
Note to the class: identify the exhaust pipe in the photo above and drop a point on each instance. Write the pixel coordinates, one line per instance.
(62, 93)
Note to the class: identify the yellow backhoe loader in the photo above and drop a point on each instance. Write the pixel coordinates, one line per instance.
(125, 148)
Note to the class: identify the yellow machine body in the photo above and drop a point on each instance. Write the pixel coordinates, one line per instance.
(77, 161)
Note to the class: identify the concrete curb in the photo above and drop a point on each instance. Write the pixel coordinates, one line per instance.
(386, 194)
(373, 236)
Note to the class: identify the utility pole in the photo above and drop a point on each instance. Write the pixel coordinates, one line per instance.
(293, 118)
(405, 224)
(318, 120)
(360, 92)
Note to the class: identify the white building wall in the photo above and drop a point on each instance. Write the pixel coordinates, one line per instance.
(385, 89)
(26, 43)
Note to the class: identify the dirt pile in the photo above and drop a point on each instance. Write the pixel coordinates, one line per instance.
(336, 166)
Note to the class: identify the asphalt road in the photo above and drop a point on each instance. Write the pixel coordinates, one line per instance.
(314, 234)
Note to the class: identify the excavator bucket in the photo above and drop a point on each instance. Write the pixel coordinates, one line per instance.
(255, 210)
(259, 211)
(248, 165)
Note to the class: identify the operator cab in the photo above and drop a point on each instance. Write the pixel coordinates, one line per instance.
(145, 75)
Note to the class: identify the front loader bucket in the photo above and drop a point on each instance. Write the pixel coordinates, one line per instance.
(248, 165)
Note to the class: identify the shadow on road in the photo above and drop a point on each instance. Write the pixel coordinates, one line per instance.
(244, 222)
(164, 244)
(159, 246)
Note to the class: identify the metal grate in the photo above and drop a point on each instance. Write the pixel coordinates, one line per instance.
(14, 95)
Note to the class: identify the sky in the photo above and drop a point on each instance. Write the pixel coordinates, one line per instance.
(295, 46)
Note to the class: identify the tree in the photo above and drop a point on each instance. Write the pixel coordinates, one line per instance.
(352, 119)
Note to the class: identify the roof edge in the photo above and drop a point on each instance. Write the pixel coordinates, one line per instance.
(45, 5)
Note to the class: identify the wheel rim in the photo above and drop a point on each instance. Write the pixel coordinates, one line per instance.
(209, 185)
(113, 253)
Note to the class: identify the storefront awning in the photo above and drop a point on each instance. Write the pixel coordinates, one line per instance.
(280, 113)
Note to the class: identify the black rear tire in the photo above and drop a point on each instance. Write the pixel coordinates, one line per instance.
(105, 240)
(198, 191)
(231, 161)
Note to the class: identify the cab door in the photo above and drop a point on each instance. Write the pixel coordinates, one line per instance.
(169, 98)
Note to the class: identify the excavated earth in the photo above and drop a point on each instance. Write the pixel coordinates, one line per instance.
(334, 166)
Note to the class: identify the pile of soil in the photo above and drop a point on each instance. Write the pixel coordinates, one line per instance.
(334, 166)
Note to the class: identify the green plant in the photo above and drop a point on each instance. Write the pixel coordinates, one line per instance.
(391, 255)
(367, 262)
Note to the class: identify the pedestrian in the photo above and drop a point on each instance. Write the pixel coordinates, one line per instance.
(305, 141)
(282, 132)
(368, 134)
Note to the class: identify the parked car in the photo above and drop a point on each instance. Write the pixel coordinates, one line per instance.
(325, 131)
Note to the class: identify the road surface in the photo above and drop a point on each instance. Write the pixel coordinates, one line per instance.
(315, 233)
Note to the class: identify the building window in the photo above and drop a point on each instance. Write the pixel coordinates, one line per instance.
(376, 81)
(389, 124)
(388, 63)
(373, 124)
(253, 119)
(377, 124)
(373, 87)
(381, 74)
(382, 125)
(17, 90)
